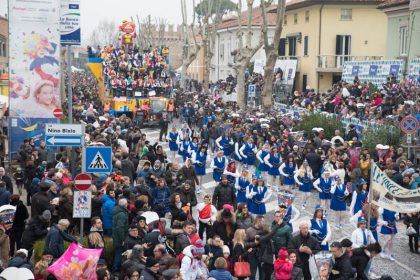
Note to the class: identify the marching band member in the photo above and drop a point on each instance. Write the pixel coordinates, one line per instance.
(242, 185)
(320, 228)
(194, 146)
(185, 148)
(247, 152)
(374, 218)
(389, 229)
(236, 155)
(218, 165)
(199, 160)
(323, 185)
(232, 172)
(184, 131)
(338, 201)
(290, 213)
(304, 179)
(359, 197)
(263, 157)
(225, 143)
(258, 195)
(362, 236)
(274, 167)
(172, 137)
(288, 170)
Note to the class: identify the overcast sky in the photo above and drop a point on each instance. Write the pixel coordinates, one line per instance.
(93, 11)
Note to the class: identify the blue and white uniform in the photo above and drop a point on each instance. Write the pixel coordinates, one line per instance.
(258, 196)
(323, 185)
(263, 157)
(199, 160)
(320, 229)
(357, 201)
(185, 149)
(274, 164)
(218, 165)
(225, 143)
(242, 187)
(338, 201)
(305, 181)
(390, 219)
(247, 152)
(288, 170)
(236, 155)
(172, 138)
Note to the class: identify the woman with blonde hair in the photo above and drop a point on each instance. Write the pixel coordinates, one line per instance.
(239, 248)
(304, 179)
(41, 270)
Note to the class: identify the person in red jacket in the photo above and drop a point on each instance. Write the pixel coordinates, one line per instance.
(282, 266)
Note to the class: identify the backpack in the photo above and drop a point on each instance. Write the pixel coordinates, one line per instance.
(180, 257)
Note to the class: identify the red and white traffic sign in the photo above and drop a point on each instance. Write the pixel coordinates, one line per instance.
(83, 182)
(58, 113)
(409, 125)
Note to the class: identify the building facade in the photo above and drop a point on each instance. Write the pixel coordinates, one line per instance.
(323, 34)
(4, 56)
(403, 33)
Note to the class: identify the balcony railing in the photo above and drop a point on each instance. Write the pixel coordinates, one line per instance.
(334, 63)
(292, 58)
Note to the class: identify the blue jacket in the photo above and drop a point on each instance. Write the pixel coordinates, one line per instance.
(107, 205)
(161, 196)
(4, 196)
(220, 274)
(54, 242)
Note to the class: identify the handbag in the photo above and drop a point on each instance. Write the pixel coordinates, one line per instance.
(242, 269)
(411, 231)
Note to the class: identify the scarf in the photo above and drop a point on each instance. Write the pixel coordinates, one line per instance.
(205, 213)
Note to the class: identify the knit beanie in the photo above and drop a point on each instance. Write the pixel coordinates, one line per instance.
(283, 254)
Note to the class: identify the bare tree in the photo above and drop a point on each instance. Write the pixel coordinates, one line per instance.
(105, 33)
(189, 50)
(161, 24)
(271, 50)
(245, 51)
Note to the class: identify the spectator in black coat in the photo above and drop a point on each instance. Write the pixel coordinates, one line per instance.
(362, 256)
(127, 168)
(223, 194)
(314, 161)
(36, 229)
(183, 240)
(6, 179)
(4, 194)
(342, 268)
(18, 225)
(41, 200)
(304, 245)
(413, 220)
(225, 227)
(187, 194)
(132, 238)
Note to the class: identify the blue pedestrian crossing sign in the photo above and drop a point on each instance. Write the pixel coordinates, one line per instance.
(97, 160)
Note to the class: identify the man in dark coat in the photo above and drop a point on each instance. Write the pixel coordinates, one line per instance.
(54, 242)
(342, 268)
(223, 194)
(36, 229)
(314, 161)
(41, 200)
(6, 179)
(187, 193)
(119, 231)
(183, 240)
(132, 238)
(18, 226)
(127, 167)
(362, 256)
(304, 245)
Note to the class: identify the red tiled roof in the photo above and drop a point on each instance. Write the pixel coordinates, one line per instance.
(256, 19)
(294, 4)
(392, 3)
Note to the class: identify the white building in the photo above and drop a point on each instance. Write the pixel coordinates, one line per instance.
(227, 42)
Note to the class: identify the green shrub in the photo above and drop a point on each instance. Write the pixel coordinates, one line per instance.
(329, 124)
(385, 135)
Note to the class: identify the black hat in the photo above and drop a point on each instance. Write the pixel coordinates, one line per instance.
(336, 244)
(142, 218)
(101, 262)
(170, 273)
(150, 261)
(132, 226)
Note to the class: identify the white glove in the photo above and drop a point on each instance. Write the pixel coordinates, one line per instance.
(240, 158)
(397, 217)
(299, 183)
(315, 231)
(245, 157)
(323, 243)
(318, 189)
(237, 187)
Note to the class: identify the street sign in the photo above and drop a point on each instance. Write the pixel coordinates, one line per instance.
(82, 182)
(409, 139)
(82, 204)
(70, 22)
(97, 160)
(409, 125)
(59, 135)
(251, 90)
(58, 113)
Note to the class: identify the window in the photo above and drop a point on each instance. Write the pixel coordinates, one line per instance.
(292, 46)
(282, 47)
(285, 19)
(3, 46)
(304, 82)
(305, 45)
(343, 45)
(346, 14)
(307, 16)
(222, 52)
(295, 18)
(403, 40)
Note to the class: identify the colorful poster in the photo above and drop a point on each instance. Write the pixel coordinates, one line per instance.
(389, 195)
(76, 263)
(7, 216)
(285, 198)
(34, 30)
(70, 22)
(323, 262)
(27, 128)
(82, 204)
(355, 70)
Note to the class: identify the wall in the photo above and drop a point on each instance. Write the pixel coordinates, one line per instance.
(196, 69)
(4, 34)
(393, 40)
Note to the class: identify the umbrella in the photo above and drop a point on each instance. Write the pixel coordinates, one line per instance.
(77, 263)
(17, 273)
(150, 216)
